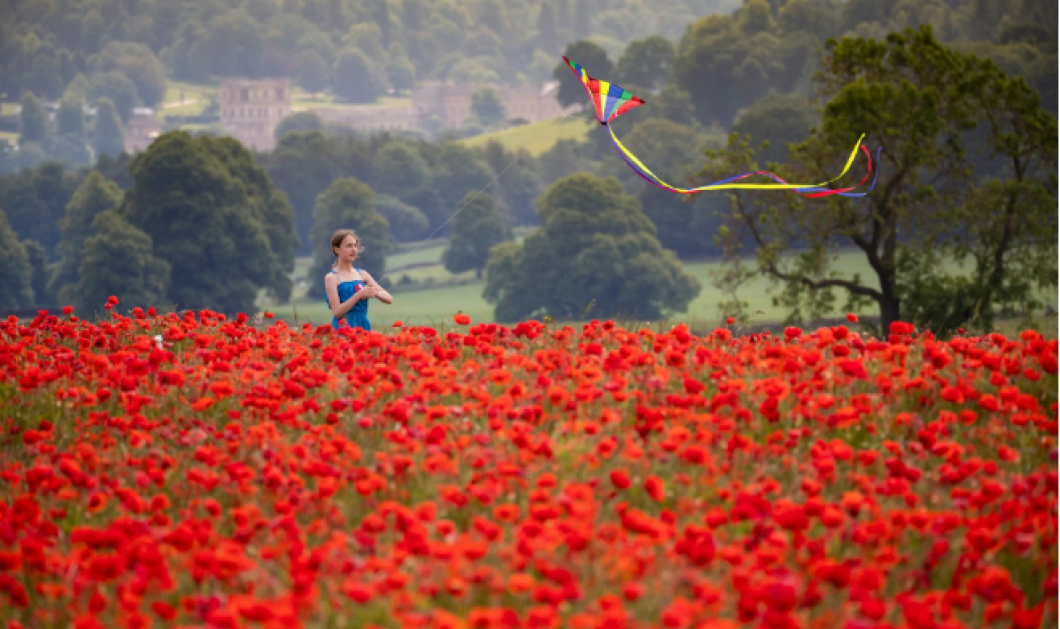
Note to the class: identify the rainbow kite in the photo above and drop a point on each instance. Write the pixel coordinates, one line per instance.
(611, 101)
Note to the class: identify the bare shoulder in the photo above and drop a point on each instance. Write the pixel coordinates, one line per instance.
(365, 275)
(331, 278)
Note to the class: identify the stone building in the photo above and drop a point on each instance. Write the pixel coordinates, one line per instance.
(451, 102)
(141, 129)
(252, 108)
(371, 118)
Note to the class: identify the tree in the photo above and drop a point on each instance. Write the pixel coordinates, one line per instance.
(94, 196)
(918, 101)
(487, 107)
(353, 79)
(32, 120)
(406, 222)
(303, 165)
(211, 213)
(312, 72)
(117, 88)
(755, 17)
(16, 275)
(714, 52)
(582, 27)
(38, 263)
(71, 118)
(35, 201)
(300, 122)
(546, 29)
(781, 119)
(69, 149)
(118, 260)
(458, 173)
(595, 247)
(398, 168)
(476, 228)
(400, 73)
(646, 63)
(671, 103)
(109, 136)
(1008, 222)
(45, 76)
(138, 64)
(347, 204)
(588, 55)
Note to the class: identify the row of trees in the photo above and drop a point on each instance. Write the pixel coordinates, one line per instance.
(201, 227)
(73, 139)
(355, 48)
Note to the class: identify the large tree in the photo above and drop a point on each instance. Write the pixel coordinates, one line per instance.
(205, 204)
(347, 204)
(118, 260)
(487, 107)
(595, 246)
(32, 120)
(95, 195)
(919, 102)
(476, 228)
(35, 201)
(38, 264)
(303, 165)
(353, 79)
(646, 63)
(16, 274)
(109, 136)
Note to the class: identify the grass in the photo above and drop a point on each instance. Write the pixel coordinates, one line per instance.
(424, 307)
(425, 303)
(190, 109)
(7, 109)
(10, 136)
(535, 138)
(191, 90)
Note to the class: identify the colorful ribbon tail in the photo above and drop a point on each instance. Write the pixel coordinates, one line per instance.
(807, 190)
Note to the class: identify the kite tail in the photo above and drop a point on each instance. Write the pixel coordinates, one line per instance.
(807, 190)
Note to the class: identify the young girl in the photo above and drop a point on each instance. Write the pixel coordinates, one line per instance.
(349, 289)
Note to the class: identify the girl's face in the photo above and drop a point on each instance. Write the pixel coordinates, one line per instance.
(348, 249)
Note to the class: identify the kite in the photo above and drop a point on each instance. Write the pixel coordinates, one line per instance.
(611, 101)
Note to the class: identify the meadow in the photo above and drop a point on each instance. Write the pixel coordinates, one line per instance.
(535, 138)
(201, 471)
(433, 295)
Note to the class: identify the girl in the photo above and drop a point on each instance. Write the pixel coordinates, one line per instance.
(349, 289)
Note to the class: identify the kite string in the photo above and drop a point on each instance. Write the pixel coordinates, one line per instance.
(458, 210)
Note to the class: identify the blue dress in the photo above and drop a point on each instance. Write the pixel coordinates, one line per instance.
(357, 317)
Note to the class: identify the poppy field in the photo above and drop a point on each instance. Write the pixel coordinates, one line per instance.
(197, 470)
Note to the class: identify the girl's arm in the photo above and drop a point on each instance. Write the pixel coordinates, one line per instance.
(339, 309)
(380, 292)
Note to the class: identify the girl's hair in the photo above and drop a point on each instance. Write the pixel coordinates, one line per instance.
(336, 241)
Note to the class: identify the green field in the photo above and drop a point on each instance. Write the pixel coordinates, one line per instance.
(422, 305)
(10, 136)
(8, 109)
(535, 138)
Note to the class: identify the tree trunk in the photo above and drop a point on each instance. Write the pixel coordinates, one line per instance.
(478, 274)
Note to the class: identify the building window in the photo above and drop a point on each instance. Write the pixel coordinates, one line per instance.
(279, 93)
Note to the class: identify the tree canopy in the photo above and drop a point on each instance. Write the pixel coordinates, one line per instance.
(118, 260)
(208, 223)
(595, 247)
(476, 229)
(921, 103)
(347, 204)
